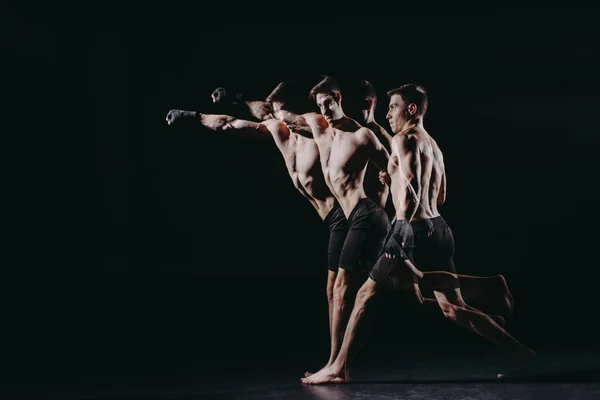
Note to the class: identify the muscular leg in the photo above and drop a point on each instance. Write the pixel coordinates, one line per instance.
(488, 294)
(337, 371)
(344, 290)
(331, 276)
(433, 304)
(453, 307)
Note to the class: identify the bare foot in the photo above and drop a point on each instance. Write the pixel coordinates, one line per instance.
(327, 375)
(519, 361)
(307, 374)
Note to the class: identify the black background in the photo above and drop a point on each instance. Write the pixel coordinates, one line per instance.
(139, 247)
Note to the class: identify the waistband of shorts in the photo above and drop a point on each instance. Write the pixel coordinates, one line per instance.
(399, 221)
(362, 202)
(438, 223)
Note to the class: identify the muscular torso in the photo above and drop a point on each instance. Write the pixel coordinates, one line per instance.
(374, 189)
(301, 156)
(432, 172)
(344, 158)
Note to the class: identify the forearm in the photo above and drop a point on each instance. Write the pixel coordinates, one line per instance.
(380, 158)
(441, 198)
(216, 122)
(221, 123)
(413, 198)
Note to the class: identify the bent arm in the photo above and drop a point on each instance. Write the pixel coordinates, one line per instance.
(442, 194)
(379, 155)
(411, 163)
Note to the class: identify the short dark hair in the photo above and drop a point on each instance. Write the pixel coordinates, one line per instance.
(284, 92)
(367, 91)
(327, 86)
(292, 94)
(412, 93)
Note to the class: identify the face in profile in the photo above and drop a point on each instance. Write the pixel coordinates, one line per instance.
(328, 106)
(396, 115)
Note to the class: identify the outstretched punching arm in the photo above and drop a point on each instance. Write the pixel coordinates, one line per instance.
(296, 122)
(233, 103)
(221, 123)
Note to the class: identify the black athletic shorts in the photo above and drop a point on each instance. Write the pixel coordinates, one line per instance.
(434, 245)
(368, 227)
(337, 224)
(398, 242)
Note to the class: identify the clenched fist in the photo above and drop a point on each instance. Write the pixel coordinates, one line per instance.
(175, 115)
(384, 178)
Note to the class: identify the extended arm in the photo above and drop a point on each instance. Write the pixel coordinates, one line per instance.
(219, 123)
(295, 122)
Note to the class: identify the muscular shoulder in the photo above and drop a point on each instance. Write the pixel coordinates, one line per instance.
(276, 128)
(384, 137)
(407, 142)
(365, 133)
(273, 123)
(315, 118)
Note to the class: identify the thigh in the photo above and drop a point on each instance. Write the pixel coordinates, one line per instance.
(337, 238)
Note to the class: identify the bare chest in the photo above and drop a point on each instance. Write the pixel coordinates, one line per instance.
(301, 154)
(343, 152)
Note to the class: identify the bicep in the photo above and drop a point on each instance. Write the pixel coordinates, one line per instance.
(380, 154)
(410, 159)
(215, 121)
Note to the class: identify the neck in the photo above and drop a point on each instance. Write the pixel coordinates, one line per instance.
(338, 122)
(339, 112)
(368, 116)
(412, 125)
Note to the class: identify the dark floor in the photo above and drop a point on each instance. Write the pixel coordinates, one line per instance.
(207, 337)
(564, 374)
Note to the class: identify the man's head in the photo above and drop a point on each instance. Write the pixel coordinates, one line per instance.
(367, 97)
(408, 105)
(328, 97)
(284, 96)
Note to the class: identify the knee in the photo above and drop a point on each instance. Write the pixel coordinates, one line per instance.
(330, 293)
(363, 296)
(338, 294)
(449, 310)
